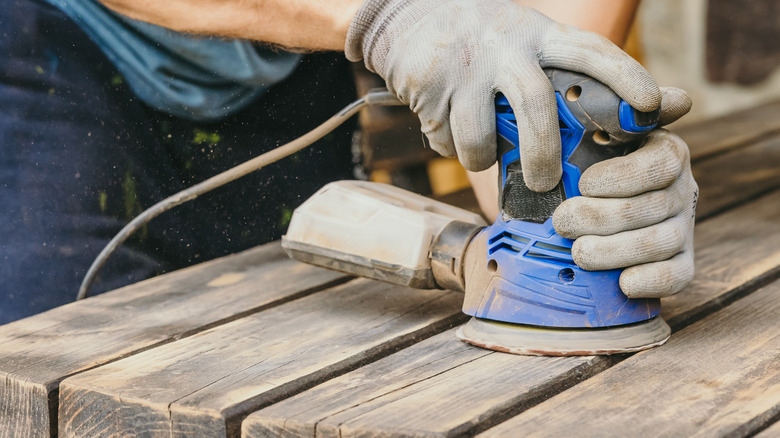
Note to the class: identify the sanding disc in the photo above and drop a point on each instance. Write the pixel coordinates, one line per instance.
(546, 341)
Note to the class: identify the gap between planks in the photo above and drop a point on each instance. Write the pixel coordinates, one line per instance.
(37, 353)
(363, 408)
(206, 384)
(772, 429)
(731, 180)
(700, 314)
(728, 133)
(718, 377)
(712, 148)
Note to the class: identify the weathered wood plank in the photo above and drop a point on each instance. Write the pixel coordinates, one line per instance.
(432, 396)
(731, 131)
(732, 250)
(439, 387)
(729, 179)
(773, 431)
(718, 377)
(205, 384)
(38, 352)
(360, 391)
(707, 140)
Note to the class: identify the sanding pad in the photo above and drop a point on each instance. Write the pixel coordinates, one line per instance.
(546, 341)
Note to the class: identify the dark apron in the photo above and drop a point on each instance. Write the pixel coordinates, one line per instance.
(80, 156)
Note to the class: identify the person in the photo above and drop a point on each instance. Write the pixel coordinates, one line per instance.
(109, 108)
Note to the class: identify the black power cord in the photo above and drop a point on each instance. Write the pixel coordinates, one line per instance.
(378, 97)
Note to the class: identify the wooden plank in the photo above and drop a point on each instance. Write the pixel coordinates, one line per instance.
(732, 251)
(729, 179)
(433, 395)
(718, 377)
(739, 136)
(320, 410)
(731, 131)
(440, 387)
(204, 385)
(38, 352)
(773, 431)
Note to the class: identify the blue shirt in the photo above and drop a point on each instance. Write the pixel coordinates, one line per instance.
(194, 77)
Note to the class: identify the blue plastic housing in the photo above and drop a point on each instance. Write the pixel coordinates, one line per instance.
(628, 119)
(536, 281)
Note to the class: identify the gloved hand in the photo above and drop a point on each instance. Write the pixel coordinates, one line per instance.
(637, 211)
(448, 58)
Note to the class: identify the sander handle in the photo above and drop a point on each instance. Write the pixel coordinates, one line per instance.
(595, 125)
(383, 232)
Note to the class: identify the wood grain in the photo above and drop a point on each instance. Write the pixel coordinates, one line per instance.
(732, 131)
(428, 397)
(728, 180)
(313, 412)
(732, 250)
(735, 160)
(205, 384)
(713, 378)
(38, 352)
(773, 431)
(439, 387)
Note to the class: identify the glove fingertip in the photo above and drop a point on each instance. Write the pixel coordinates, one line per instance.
(543, 179)
(635, 286)
(478, 159)
(437, 134)
(581, 256)
(675, 103)
(657, 279)
(643, 94)
(474, 133)
(564, 221)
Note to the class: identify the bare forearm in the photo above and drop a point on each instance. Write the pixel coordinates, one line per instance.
(610, 18)
(302, 24)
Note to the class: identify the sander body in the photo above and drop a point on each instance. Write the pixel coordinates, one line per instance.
(522, 288)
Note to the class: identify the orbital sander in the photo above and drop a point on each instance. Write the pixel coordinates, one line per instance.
(522, 288)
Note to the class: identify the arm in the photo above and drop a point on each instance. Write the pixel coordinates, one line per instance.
(299, 24)
(441, 57)
(448, 58)
(312, 24)
(609, 18)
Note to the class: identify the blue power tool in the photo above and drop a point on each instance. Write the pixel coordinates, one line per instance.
(533, 299)
(522, 287)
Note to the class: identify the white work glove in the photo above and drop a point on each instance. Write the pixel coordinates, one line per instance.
(637, 212)
(448, 58)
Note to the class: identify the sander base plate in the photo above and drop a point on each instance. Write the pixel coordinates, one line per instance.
(548, 341)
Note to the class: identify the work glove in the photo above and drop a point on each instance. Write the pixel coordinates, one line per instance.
(637, 212)
(447, 59)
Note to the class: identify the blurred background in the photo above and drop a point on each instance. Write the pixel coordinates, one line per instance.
(725, 53)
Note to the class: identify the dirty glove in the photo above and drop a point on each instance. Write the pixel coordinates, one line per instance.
(448, 58)
(637, 211)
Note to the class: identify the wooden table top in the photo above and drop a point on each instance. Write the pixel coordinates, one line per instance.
(255, 344)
